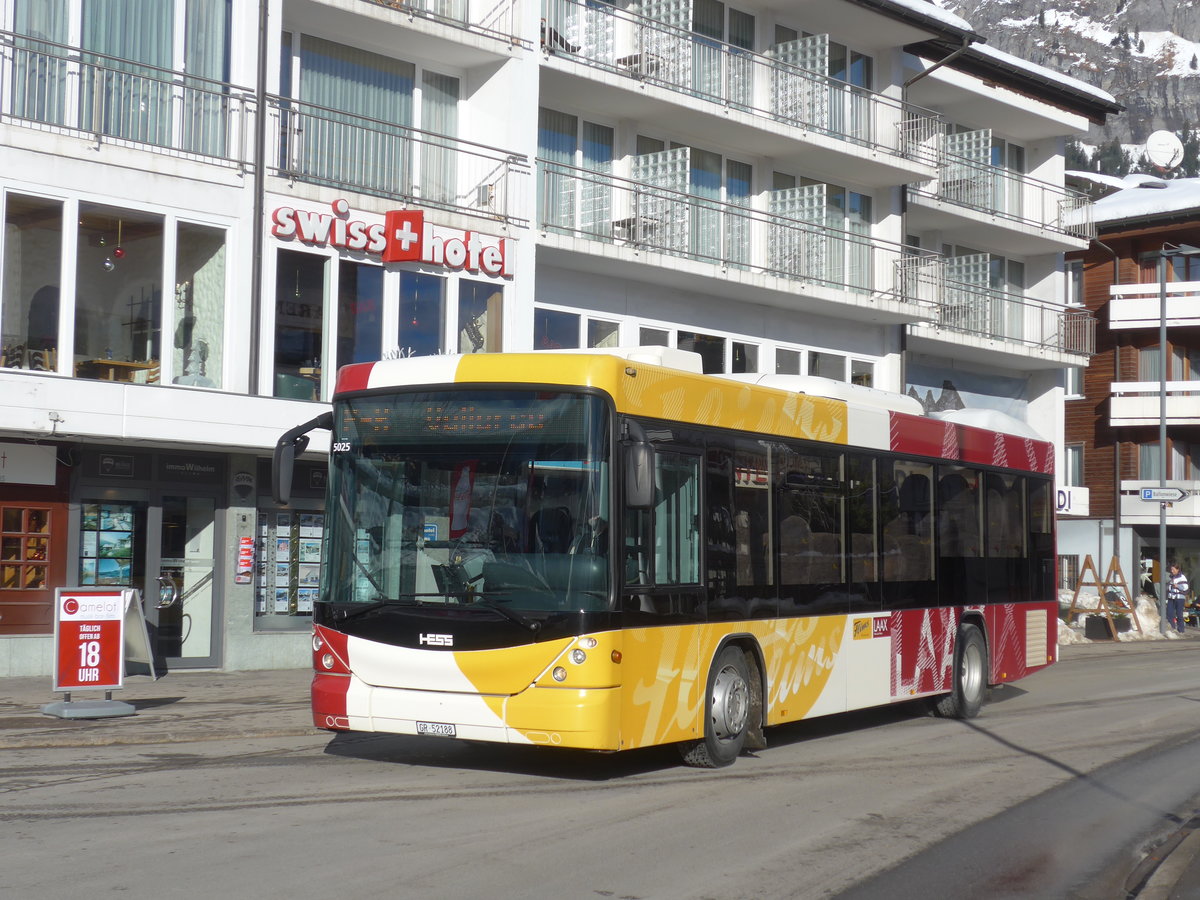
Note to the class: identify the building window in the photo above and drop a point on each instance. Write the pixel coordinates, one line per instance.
(827, 365)
(25, 548)
(299, 329)
(862, 373)
(198, 338)
(555, 330)
(1068, 571)
(480, 316)
(422, 312)
(1074, 278)
(1074, 387)
(32, 258)
(137, 98)
(360, 313)
(603, 334)
(745, 358)
(654, 337)
(1149, 463)
(787, 362)
(1073, 465)
(710, 347)
(118, 295)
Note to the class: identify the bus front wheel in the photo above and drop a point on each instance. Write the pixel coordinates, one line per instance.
(970, 676)
(728, 704)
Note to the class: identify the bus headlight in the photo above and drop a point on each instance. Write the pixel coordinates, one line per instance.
(317, 643)
(578, 656)
(588, 643)
(559, 673)
(328, 661)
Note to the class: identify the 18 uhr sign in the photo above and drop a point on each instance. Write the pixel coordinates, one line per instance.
(89, 631)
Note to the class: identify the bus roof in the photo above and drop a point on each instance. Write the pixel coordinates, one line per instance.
(666, 384)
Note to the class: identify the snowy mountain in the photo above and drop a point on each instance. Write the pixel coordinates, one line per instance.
(1146, 53)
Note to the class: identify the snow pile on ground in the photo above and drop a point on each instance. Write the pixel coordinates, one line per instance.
(1147, 616)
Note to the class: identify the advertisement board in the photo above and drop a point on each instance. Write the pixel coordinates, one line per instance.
(89, 637)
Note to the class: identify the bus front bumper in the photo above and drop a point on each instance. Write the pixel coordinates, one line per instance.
(560, 717)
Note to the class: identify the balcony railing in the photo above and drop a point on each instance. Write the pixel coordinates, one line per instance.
(670, 55)
(1136, 403)
(54, 87)
(1001, 316)
(322, 146)
(498, 19)
(1136, 511)
(607, 209)
(1010, 195)
(1140, 306)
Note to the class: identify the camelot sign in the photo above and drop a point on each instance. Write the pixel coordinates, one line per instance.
(404, 236)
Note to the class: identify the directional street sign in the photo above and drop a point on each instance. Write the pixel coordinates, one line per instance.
(1164, 495)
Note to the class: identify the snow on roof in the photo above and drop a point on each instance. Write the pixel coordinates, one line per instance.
(1145, 196)
(933, 11)
(1111, 181)
(1015, 62)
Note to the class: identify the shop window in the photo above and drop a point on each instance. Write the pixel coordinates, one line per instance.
(289, 550)
(118, 299)
(25, 548)
(422, 311)
(480, 316)
(106, 543)
(360, 313)
(32, 254)
(199, 335)
(554, 330)
(299, 329)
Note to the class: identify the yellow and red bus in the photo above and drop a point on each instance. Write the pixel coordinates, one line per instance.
(613, 550)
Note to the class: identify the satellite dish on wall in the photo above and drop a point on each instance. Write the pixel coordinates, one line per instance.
(1164, 149)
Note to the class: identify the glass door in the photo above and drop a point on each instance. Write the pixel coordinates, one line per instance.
(180, 589)
(163, 545)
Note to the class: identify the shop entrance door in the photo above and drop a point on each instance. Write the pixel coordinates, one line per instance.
(181, 593)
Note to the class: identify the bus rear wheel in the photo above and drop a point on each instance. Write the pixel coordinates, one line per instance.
(970, 676)
(727, 705)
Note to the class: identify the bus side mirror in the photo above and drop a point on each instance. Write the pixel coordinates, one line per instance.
(639, 475)
(292, 444)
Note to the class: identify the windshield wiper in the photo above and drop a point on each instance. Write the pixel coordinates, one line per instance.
(509, 614)
(378, 603)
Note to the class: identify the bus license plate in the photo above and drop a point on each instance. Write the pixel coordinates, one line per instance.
(441, 729)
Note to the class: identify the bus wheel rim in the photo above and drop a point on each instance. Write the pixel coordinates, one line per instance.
(730, 705)
(972, 671)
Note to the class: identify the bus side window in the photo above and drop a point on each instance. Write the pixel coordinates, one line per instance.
(905, 508)
(677, 519)
(637, 546)
(958, 513)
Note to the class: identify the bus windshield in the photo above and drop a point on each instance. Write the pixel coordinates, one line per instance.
(486, 498)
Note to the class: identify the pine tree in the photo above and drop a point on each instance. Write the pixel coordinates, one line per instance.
(1189, 166)
(1075, 158)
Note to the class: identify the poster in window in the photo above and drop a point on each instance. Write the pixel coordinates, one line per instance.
(282, 600)
(304, 600)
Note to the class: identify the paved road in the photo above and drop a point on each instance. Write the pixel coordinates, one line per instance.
(219, 787)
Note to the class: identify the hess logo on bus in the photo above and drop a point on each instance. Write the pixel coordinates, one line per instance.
(436, 640)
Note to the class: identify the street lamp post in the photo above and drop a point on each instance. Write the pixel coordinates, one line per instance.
(1164, 361)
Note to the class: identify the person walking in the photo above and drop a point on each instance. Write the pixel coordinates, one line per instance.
(1177, 589)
